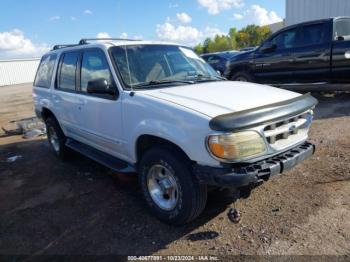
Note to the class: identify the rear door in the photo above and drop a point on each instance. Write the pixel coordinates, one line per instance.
(341, 51)
(64, 99)
(275, 67)
(312, 54)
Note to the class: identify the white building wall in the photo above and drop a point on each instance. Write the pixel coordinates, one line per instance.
(18, 71)
(298, 11)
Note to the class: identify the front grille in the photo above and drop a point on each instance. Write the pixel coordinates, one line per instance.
(288, 131)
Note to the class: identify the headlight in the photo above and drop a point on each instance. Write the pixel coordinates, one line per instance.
(236, 146)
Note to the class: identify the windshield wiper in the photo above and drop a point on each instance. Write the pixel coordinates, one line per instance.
(202, 77)
(161, 82)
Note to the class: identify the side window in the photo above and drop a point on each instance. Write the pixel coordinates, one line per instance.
(312, 34)
(66, 79)
(213, 60)
(206, 58)
(45, 70)
(94, 66)
(342, 28)
(286, 39)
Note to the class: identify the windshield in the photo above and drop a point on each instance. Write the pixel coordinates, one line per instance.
(149, 65)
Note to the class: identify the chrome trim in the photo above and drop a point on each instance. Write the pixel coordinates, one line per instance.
(286, 128)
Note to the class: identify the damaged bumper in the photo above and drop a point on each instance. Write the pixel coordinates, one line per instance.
(252, 174)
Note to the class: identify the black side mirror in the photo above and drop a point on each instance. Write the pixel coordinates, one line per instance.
(268, 47)
(100, 86)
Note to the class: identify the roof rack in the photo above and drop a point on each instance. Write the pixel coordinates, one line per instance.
(85, 40)
(62, 46)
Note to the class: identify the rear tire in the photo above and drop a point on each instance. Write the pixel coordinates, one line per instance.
(56, 137)
(184, 198)
(242, 77)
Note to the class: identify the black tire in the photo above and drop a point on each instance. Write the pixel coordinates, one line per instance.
(60, 148)
(243, 77)
(224, 196)
(192, 196)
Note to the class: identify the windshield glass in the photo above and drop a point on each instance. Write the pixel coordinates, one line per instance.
(149, 65)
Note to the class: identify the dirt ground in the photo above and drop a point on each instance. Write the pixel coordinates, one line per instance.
(79, 207)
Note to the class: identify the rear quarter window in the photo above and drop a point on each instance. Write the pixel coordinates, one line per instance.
(44, 74)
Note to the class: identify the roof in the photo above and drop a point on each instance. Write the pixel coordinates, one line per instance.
(315, 21)
(105, 43)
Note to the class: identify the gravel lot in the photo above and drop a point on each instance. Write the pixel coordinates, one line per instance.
(80, 207)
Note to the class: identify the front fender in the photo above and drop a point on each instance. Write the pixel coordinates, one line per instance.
(239, 64)
(161, 129)
(181, 126)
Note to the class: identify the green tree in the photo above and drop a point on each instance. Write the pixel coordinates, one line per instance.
(220, 43)
(207, 45)
(198, 49)
(251, 35)
(233, 37)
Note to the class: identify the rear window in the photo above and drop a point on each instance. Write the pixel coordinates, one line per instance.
(342, 28)
(66, 79)
(312, 34)
(45, 70)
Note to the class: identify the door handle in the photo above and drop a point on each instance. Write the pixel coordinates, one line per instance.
(56, 98)
(81, 103)
(347, 55)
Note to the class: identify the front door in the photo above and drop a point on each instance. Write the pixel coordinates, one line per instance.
(275, 66)
(99, 115)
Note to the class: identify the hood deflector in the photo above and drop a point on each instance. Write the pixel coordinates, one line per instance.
(264, 114)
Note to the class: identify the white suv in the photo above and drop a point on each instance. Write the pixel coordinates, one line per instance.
(159, 110)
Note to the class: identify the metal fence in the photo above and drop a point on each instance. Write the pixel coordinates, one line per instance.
(18, 71)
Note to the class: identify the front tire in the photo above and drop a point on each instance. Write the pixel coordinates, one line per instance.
(242, 77)
(56, 137)
(170, 189)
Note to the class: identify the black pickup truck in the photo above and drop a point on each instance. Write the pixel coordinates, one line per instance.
(311, 56)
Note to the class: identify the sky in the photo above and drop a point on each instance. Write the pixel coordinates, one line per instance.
(29, 28)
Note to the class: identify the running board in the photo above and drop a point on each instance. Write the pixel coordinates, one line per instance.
(103, 158)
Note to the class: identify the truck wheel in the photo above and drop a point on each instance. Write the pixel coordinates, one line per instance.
(170, 189)
(242, 77)
(56, 137)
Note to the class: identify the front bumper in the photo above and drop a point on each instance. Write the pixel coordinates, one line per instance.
(252, 174)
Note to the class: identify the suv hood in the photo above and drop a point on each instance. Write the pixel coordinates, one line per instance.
(223, 97)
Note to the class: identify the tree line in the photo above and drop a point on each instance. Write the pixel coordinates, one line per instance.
(249, 36)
